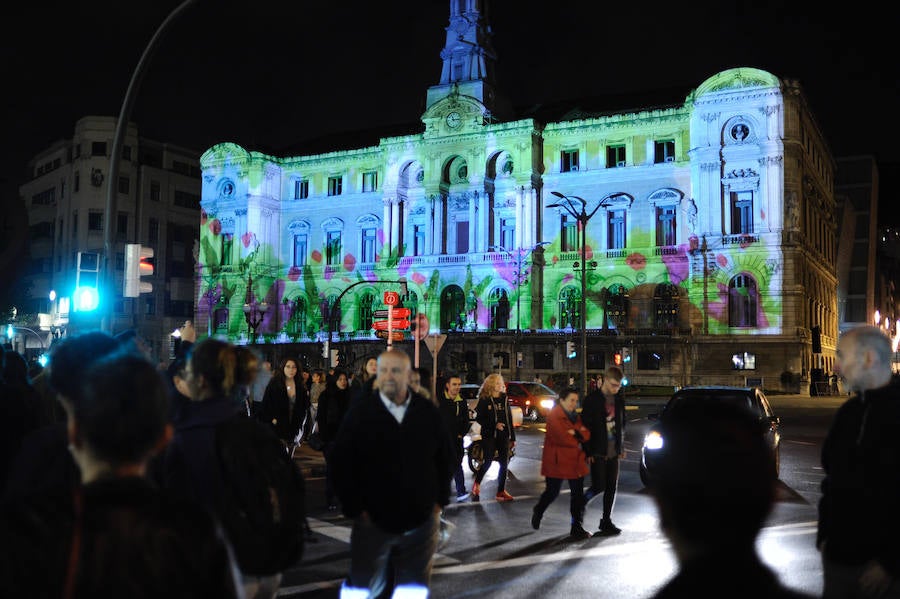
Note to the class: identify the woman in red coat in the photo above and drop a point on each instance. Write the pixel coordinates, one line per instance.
(564, 459)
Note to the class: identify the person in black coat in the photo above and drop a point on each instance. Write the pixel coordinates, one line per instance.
(285, 404)
(392, 467)
(455, 413)
(603, 413)
(334, 402)
(497, 433)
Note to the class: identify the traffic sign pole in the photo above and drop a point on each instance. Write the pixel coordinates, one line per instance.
(390, 339)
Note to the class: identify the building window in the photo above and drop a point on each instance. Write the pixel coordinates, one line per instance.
(498, 303)
(569, 161)
(76, 183)
(742, 301)
(741, 212)
(419, 240)
(665, 301)
(95, 221)
(370, 181)
(227, 248)
(664, 151)
(124, 185)
(333, 247)
(507, 233)
(453, 308)
(153, 231)
(367, 246)
(335, 186)
(122, 226)
(569, 308)
(154, 191)
(44, 198)
(300, 245)
(616, 306)
(569, 234)
(182, 168)
(462, 237)
(366, 311)
(185, 199)
(615, 156)
(665, 225)
(301, 189)
(98, 148)
(743, 361)
(615, 235)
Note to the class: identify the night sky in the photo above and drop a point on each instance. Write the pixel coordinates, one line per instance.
(287, 71)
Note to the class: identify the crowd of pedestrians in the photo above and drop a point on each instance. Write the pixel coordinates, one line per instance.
(115, 474)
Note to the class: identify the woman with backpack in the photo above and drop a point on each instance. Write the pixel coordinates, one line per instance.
(334, 402)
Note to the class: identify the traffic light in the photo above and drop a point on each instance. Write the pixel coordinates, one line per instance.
(138, 263)
(87, 278)
(570, 349)
(626, 355)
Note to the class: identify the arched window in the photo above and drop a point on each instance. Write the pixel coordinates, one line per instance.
(617, 306)
(498, 302)
(742, 301)
(665, 304)
(453, 308)
(365, 309)
(296, 326)
(569, 308)
(331, 313)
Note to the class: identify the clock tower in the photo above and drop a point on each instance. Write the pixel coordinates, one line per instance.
(469, 63)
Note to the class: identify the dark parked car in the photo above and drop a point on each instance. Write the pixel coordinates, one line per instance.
(535, 399)
(753, 398)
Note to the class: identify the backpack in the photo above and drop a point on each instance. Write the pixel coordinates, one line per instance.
(262, 507)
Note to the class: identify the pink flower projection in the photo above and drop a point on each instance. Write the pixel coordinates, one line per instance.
(418, 278)
(215, 226)
(294, 273)
(248, 238)
(203, 217)
(316, 256)
(636, 261)
(349, 262)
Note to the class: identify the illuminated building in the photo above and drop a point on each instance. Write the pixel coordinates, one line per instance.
(157, 206)
(712, 258)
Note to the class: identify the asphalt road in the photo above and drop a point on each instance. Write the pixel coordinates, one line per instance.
(494, 552)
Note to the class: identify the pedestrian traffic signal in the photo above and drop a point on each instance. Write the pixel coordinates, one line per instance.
(570, 349)
(138, 263)
(87, 279)
(626, 355)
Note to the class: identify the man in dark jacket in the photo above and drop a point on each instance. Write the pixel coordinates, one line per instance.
(455, 413)
(392, 464)
(603, 412)
(859, 522)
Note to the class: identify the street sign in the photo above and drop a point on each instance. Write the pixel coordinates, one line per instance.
(383, 325)
(395, 335)
(396, 312)
(421, 326)
(435, 343)
(391, 298)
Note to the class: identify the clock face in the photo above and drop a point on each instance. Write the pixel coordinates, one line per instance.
(454, 120)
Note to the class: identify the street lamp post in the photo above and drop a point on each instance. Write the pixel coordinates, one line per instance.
(254, 311)
(583, 217)
(521, 277)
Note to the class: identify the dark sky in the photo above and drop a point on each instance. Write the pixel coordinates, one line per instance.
(285, 71)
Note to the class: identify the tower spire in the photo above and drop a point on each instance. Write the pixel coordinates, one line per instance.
(468, 58)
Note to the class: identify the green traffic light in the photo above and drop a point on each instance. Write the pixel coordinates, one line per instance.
(86, 299)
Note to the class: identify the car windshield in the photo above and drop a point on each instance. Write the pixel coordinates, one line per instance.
(738, 399)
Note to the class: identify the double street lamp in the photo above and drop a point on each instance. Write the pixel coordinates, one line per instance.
(254, 311)
(581, 215)
(521, 277)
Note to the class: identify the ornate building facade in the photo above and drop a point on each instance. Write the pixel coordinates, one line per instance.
(707, 232)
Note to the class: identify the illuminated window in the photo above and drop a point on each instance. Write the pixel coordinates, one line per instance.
(741, 212)
(335, 186)
(743, 361)
(366, 311)
(665, 302)
(569, 161)
(665, 225)
(227, 248)
(615, 239)
(569, 234)
(300, 247)
(367, 245)
(616, 306)
(419, 240)
(508, 233)
(301, 189)
(615, 156)
(569, 308)
(742, 301)
(333, 247)
(664, 151)
(370, 181)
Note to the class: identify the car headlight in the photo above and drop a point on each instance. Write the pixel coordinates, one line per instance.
(653, 440)
(547, 404)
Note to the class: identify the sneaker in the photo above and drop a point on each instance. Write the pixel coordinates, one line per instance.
(535, 519)
(578, 533)
(503, 496)
(462, 497)
(608, 529)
